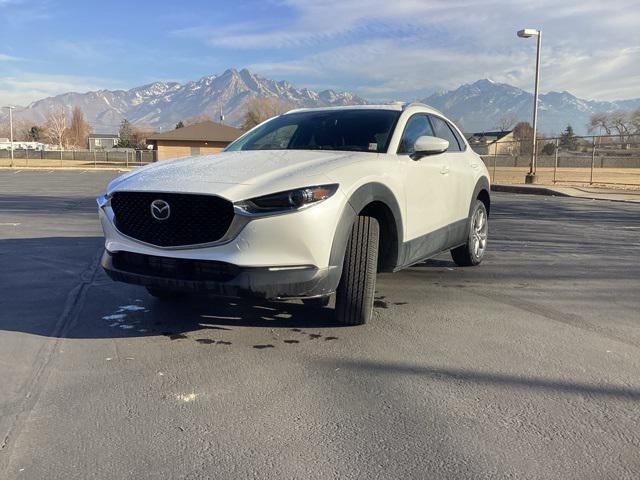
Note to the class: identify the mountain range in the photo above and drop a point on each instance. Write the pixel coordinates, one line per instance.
(480, 105)
(160, 105)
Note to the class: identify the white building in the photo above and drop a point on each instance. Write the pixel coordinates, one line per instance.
(5, 144)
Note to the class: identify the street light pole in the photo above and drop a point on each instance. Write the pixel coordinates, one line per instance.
(11, 130)
(526, 33)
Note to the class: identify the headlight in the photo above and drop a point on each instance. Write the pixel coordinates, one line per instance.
(286, 201)
(103, 200)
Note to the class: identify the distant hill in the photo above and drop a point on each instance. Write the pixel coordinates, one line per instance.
(161, 105)
(478, 106)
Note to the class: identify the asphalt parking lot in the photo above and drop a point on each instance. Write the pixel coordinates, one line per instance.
(525, 367)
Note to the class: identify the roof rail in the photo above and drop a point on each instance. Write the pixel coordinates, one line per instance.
(421, 104)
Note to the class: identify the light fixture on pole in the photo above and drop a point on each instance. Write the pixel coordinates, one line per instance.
(526, 33)
(10, 107)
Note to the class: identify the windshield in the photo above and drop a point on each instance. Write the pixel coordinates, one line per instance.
(364, 130)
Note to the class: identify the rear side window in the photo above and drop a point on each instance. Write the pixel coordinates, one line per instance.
(463, 146)
(443, 130)
(417, 126)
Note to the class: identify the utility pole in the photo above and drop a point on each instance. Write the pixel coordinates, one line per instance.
(526, 33)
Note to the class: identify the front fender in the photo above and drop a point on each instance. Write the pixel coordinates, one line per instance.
(363, 196)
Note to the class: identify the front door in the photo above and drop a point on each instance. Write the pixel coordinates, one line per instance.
(426, 192)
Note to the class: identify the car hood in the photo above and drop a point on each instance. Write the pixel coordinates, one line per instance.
(236, 175)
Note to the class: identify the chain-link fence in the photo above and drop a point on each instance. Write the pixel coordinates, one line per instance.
(116, 158)
(591, 160)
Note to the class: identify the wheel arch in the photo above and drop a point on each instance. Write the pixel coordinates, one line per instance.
(378, 201)
(482, 192)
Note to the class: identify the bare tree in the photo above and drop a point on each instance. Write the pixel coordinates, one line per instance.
(56, 127)
(634, 120)
(620, 124)
(506, 122)
(600, 122)
(139, 137)
(20, 130)
(257, 110)
(79, 129)
(523, 134)
(4, 129)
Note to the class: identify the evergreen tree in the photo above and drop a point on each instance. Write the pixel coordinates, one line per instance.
(35, 134)
(568, 138)
(180, 124)
(126, 135)
(549, 149)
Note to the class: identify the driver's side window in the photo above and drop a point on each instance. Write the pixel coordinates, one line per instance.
(417, 126)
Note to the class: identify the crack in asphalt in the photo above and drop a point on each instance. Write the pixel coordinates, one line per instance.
(32, 388)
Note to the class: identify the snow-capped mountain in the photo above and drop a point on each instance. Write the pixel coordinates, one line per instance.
(161, 105)
(478, 107)
(475, 107)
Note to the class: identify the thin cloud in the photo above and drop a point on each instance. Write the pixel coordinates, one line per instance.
(8, 58)
(378, 47)
(25, 88)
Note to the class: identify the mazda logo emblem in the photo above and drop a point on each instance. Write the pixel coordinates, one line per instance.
(160, 210)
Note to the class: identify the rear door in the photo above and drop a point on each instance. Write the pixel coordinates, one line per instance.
(456, 202)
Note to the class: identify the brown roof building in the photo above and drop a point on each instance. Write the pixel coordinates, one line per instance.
(199, 139)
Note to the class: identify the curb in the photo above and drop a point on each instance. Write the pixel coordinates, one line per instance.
(531, 190)
(528, 190)
(67, 169)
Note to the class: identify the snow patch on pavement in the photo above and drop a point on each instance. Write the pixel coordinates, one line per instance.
(186, 398)
(119, 319)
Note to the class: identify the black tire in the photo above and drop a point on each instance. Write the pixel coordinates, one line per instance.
(164, 294)
(354, 297)
(468, 255)
(317, 302)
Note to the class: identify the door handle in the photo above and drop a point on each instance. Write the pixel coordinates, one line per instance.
(444, 170)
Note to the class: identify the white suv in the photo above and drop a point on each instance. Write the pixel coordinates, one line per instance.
(305, 205)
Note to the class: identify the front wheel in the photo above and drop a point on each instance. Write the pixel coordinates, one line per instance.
(354, 296)
(472, 252)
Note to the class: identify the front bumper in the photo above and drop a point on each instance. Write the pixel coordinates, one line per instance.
(298, 238)
(220, 278)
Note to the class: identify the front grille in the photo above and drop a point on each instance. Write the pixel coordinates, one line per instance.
(175, 268)
(193, 219)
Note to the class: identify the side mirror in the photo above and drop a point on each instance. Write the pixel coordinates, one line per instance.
(427, 145)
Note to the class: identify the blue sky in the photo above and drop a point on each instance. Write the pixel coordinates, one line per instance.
(380, 49)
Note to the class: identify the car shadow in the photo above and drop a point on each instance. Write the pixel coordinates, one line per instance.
(217, 312)
(436, 263)
(55, 287)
